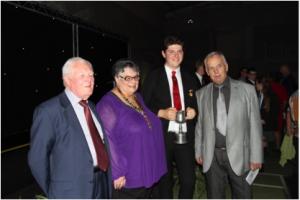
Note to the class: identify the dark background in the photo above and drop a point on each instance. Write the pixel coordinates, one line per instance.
(34, 48)
(38, 37)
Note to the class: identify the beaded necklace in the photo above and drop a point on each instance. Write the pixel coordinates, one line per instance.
(138, 108)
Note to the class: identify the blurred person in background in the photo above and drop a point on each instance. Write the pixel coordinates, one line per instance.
(201, 75)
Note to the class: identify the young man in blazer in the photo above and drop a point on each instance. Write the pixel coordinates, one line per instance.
(64, 154)
(228, 135)
(162, 97)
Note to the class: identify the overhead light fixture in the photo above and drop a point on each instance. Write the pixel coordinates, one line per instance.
(190, 21)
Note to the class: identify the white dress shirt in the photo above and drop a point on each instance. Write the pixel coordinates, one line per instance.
(79, 110)
(173, 125)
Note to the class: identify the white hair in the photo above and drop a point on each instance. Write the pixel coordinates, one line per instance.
(211, 54)
(67, 68)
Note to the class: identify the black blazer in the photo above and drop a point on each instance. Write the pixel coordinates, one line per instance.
(156, 93)
(205, 81)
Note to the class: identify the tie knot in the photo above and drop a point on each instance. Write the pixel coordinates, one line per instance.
(220, 87)
(83, 103)
(173, 73)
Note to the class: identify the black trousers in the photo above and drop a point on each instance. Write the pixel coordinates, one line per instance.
(292, 174)
(182, 155)
(220, 173)
(132, 193)
(100, 189)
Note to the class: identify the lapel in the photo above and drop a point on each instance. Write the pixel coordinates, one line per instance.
(164, 86)
(209, 104)
(184, 87)
(234, 95)
(72, 120)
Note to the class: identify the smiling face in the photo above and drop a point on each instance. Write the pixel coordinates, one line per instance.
(216, 68)
(173, 55)
(80, 79)
(127, 81)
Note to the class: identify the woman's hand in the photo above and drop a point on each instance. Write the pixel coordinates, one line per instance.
(119, 183)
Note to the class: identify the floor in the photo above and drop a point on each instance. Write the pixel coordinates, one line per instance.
(272, 183)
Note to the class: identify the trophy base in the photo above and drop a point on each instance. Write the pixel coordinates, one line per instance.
(180, 138)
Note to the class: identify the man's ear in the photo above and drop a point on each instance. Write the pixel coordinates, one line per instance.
(207, 71)
(66, 80)
(163, 54)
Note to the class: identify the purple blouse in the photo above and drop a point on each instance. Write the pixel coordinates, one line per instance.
(137, 152)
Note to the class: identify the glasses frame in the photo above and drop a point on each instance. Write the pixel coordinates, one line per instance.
(130, 78)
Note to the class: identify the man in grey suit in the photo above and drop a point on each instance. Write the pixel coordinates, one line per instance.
(67, 156)
(228, 134)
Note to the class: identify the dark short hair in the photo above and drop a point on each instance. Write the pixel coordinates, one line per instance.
(260, 79)
(199, 63)
(170, 40)
(243, 69)
(123, 63)
(252, 70)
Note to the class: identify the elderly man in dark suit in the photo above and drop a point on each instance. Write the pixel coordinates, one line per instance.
(167, 90)
(228, 135)
(68, 155)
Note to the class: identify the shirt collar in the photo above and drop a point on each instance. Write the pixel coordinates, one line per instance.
(198, 75)
(169, 70)
(225, 83)
(72, 97)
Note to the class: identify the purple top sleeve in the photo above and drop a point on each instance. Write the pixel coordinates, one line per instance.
(137, 151)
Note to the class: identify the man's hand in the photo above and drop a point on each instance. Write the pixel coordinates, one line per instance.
(190, 113)
(254, 166)
(120, 182)
(199, 161)
(168, 114)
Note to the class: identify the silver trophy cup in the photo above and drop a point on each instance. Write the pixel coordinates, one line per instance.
(180, 136)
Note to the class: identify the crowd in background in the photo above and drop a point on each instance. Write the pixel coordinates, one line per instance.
(277, 93)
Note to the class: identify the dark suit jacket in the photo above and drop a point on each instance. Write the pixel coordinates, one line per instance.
(248, 81)
(269, 111)
(157, 95)
(59, 156)
(205, 81)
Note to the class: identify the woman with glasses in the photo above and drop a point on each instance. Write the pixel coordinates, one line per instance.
(134, 135)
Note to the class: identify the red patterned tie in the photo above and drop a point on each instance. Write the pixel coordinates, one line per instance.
(176, 95)
(102, 157)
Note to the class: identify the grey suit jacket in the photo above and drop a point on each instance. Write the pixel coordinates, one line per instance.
(244, 130)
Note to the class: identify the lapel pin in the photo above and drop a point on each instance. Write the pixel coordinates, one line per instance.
(191, 93)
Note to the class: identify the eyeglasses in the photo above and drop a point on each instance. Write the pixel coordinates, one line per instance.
(130, 78)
